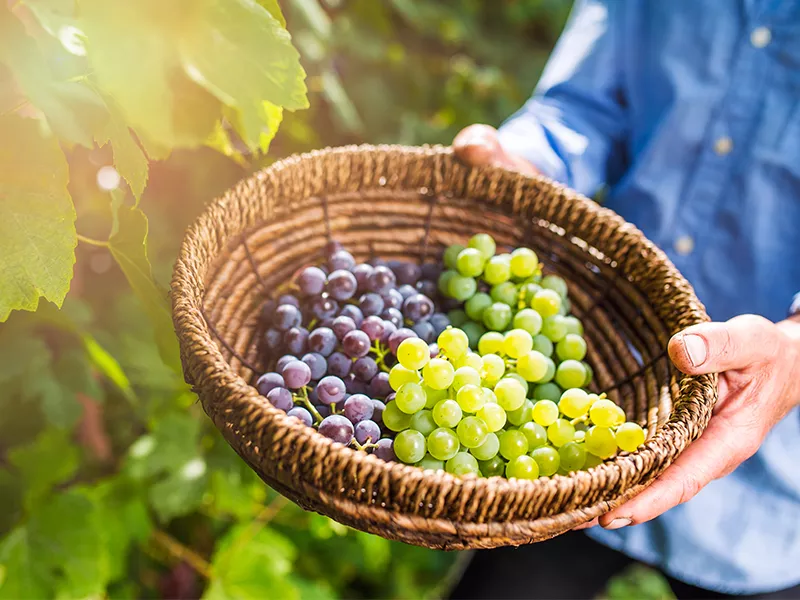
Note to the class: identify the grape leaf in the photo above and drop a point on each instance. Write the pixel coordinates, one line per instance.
(24, 576)
(181, 492)
(49, 459)
(37, 219)
(129, 160)
(173, 443)
(274, 9)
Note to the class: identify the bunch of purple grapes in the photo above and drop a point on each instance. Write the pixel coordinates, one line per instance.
(333, 342)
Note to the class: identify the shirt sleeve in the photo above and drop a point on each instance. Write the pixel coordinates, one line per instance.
(576, 115)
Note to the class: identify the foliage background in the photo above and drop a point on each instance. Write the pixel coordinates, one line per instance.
(112, 481)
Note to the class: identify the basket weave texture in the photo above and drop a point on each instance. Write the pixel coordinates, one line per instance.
(401, 202)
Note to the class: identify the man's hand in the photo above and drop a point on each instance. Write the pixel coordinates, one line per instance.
(759, 366)
(478, 146)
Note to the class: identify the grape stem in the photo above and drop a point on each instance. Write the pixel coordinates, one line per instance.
(380, 355)
(364, 447)
(577, 420)
(303, 399)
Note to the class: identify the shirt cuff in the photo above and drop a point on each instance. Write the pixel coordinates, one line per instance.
(794, 308)
(524, 136)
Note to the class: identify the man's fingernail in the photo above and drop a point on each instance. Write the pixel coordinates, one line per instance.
(618, 523)
(696, 349)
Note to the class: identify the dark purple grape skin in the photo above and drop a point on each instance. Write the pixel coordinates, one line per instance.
(288, 299)
(379, 386)
(268, 382)
(341, 259)
(295, 340)
(431, 271)
(405, 291)
(356, 344)
(392, 299)
(373, 326)
(352, 311)
(281, 398)
(342, 326)
(365, 368)
(337, 428)
(418, 308)
(273, 339)
(332, 246)
(484, 287)
(385, 450)
(427, 288)
(398, 336)
(317, 363)
(322, 341)
(311, 281)
(377, 414)
(302, 414)
(355, 385)
(370, 304)
(362, 273)
(424, 331)
(407, 273)
(296, 374)
(342, 285)
(312, 395)
(358, 407)
(339, 365)
(330, 390)
(324, 411)
(376, 261)
(324, 308)
(433, 349)
(393, 316)
(266, 311)
(367, 432)
(326, 322)
(440, 322)
(381, 280)
(286, 316)
(283, 361)
(388, 329)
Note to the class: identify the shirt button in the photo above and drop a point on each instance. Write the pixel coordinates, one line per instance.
(760, 37)
(684, 245)
(723, 145)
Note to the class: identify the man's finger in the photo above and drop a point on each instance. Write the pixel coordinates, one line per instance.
(588, 524)
(477, 145)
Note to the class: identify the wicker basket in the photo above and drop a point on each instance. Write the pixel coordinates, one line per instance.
(398, 202)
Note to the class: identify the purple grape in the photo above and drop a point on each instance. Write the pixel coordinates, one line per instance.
(322, 340)
(312, 395)
(323, 308)
(370, 304)
(379, 386)
(330, 390)
(352, 311)
(302, 414)
(398, 336)
(431, 271)
(281, 398)
(326, 322)
(332, 247)
(342, 326)
(392, 299)
(440, 322)
(268, 382)
(337, 428)
(339, 365)
(367, 432)
(393, 316)
(427, 288)
(317, 363)
(356, 344)
(341, 259)
(266, 311)
(377, 414)
(418, 308)
(362, 273)
(295, 340)
(425, 331)
(358, 407)
(385, 450)
(296, 374)
(311, 281)
(288, 299)
(365, 368)
(373, 327)
(388, 329)
(433, 349)
(407, 273)
(355, 386)
(449, 304)
(286, 316)
(376, 262)
(342, 285)
(381, 280)
(324, 411)
(283, 361)
(406, 291)
(273, 339)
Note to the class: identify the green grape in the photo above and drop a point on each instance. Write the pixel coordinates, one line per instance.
(494, 467)
(517, 342)
(491, 342)
(490, 395)
(470, 398)
(453, 342)
(506, 293)
(555, 283)
(493, 415)
(603, 413)
(410, 398)
(465, 376)
(474, 332)
(547, 391)
(413, 354)
(589, 374)
(580, 435)
(630, 436)
(535, 434)
(399, 376)
(601, 442)
(528, 291)
(548, 460)
(496, 271)
(524, 263)
(475, 306)
(488, 449)
(484, 243)
(521, 380)
(541, 343)
(497, 317)
(433, 396)
(394, 418)
(409, 446)
(470, 262)
(493, 368)
(572, 456)
(430, 463)
(461, 288)
(510, 393)
(457, 317)
(521, 415)
(472, 432)
(532, 366)
(451, 255)
(546, 303)
(443, 443)
(573, 325)
(471, 360)
(570, 374)
(444, 281)
(447, 413)
(529, 320)
(423, 422)
(574, 403)
(560, 432)
(553, 328)
(522, 467)
(462, 464)
(571, 347)
(545, 412)
(551, 371)
(620, 416)
(566, 305)
(513, 443)
(438, 373)
(591, 461)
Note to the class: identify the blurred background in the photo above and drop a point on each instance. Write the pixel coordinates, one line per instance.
(113, 483)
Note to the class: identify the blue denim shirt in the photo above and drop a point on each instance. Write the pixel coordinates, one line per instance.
(689, 111)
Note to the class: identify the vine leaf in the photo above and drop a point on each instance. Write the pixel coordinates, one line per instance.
(24, 576)
(49, 459)
(129, 159)
(37, 218)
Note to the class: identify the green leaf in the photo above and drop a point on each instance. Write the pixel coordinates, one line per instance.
(11, 499)
(46, 461)
(23, 574)
(274, 9)
(107, 365)
(173, 443)
(37, 219)
(129, 159)
(639, 582)
(181, 492)
(344, 109)
(317, 19)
